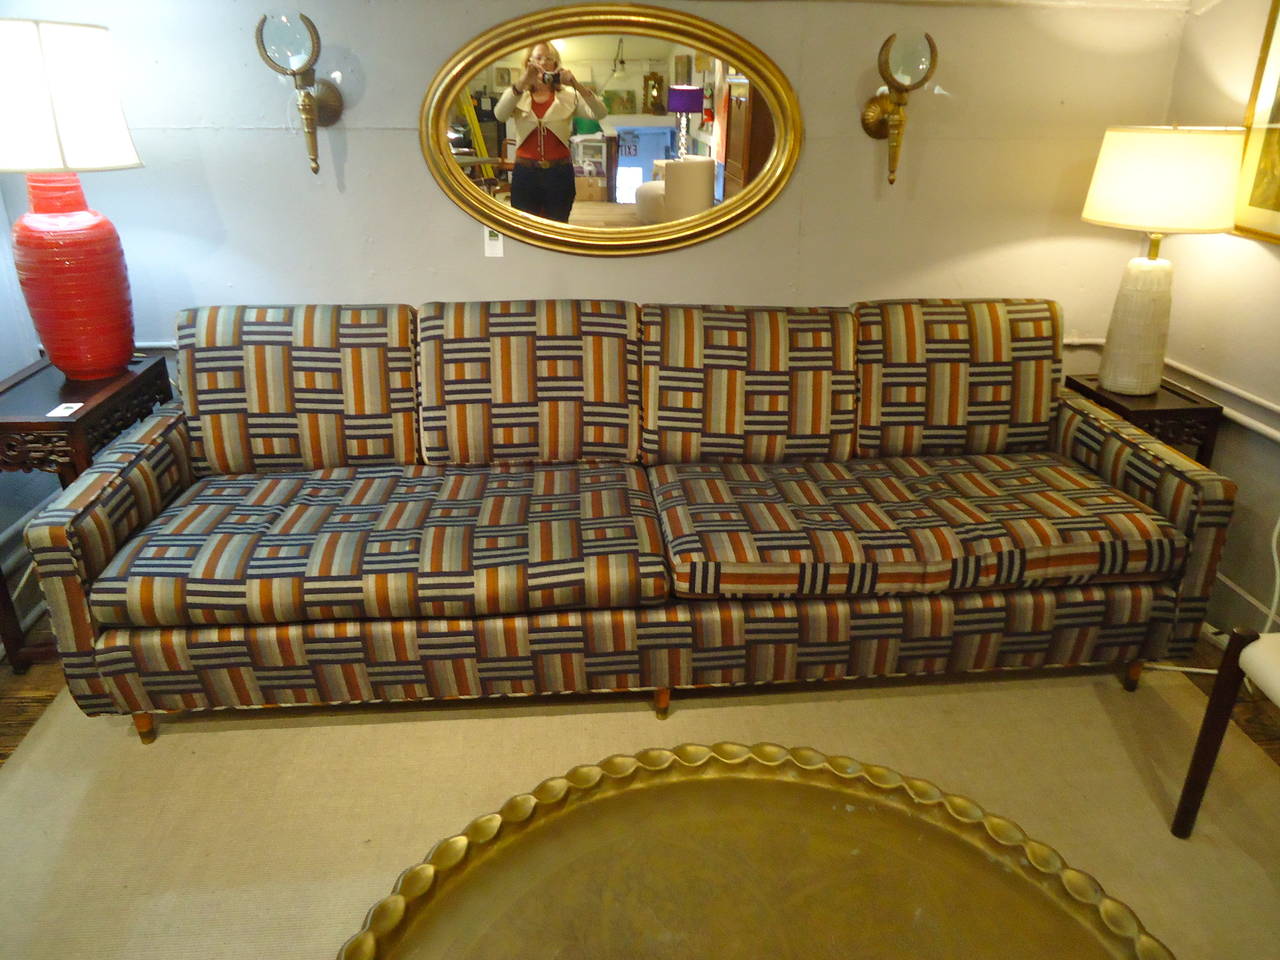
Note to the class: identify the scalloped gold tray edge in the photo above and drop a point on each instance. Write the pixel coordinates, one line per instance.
(415, 886)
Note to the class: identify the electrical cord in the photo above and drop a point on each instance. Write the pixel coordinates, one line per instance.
(1272, 611)
(1275, 570)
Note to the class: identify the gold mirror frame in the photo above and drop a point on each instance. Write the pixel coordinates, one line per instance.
(634, 19)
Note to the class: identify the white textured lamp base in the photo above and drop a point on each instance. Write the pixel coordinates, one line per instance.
(1133, 357)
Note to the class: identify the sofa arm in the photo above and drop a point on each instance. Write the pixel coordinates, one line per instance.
(72, 539)
(1196, 499)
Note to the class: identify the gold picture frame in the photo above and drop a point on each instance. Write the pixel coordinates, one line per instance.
(1258, 193)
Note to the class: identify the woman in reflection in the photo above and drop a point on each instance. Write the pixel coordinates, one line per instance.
(543, 103)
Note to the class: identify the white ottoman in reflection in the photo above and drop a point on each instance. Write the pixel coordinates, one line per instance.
(691, 186)
(650, 207)
(686, 187)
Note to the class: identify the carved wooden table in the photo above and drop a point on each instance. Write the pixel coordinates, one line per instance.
(1173, 414)
(31, 439)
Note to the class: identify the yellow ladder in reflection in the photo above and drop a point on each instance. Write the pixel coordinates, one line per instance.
(477, 135)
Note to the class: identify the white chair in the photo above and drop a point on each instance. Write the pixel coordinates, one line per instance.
(1248, 655)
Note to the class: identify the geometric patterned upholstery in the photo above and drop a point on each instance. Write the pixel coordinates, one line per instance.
(903, 525)
(297, 388)
(1197, 501)
(390, 542)
(532, 381)
(945, 377)
(957, 516)
(72, 540)
(579, 651)
(748, 384)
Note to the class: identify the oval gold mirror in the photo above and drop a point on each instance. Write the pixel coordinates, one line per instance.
(670, 128)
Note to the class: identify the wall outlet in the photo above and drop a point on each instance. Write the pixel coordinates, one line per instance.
(492, 242)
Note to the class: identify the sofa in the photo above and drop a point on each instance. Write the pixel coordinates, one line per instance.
(487, 499)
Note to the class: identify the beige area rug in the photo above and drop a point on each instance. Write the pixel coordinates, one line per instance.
(270, 835)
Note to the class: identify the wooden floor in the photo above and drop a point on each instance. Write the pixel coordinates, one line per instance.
(23, 699)
(595, 213)
(1254, 714)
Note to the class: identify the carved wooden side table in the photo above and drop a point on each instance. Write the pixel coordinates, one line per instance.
(1173, 414)
(31, 438)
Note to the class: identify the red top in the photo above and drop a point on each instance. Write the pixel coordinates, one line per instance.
(542, 144)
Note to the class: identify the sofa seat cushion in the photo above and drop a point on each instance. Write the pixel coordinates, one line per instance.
(904, 525)
(390, 542)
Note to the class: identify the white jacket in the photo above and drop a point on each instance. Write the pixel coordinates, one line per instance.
(557, 120)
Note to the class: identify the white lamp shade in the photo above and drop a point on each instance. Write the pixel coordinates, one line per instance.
(61, 109)
(1166, 179)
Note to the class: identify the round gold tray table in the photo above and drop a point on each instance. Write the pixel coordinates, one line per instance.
(736, 851)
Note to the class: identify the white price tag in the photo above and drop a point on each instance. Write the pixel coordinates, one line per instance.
(492, 242)
(64, 409)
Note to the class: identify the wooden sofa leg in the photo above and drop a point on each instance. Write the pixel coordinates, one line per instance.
(1132, 673)
(662, 702)
(1212, 729)
(145, 724)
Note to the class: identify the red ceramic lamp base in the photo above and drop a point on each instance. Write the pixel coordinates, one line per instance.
(71, 268)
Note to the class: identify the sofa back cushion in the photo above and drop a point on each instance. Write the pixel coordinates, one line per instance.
(529, 381)
(747, 384)
(943, 377)
(297, 387)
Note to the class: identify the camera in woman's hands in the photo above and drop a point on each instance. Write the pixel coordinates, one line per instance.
(551, 77)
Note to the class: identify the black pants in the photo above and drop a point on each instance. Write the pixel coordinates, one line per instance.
(544, 191)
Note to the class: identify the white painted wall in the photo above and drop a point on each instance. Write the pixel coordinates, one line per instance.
(591, 58)
(1226, 305)
(1226, 286)
(18, 343)
(996, 161)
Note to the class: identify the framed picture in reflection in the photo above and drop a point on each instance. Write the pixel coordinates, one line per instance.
(501, 78)
(619, 101)
(683, 72)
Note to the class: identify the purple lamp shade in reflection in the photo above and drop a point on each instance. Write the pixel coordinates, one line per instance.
(684, 99)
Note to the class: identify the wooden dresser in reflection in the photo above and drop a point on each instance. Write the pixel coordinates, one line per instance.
(749, 136)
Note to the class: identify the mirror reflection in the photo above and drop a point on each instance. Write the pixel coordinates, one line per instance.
(610, 130)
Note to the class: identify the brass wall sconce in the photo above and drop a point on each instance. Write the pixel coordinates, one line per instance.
(290, 45)
(903, 69)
